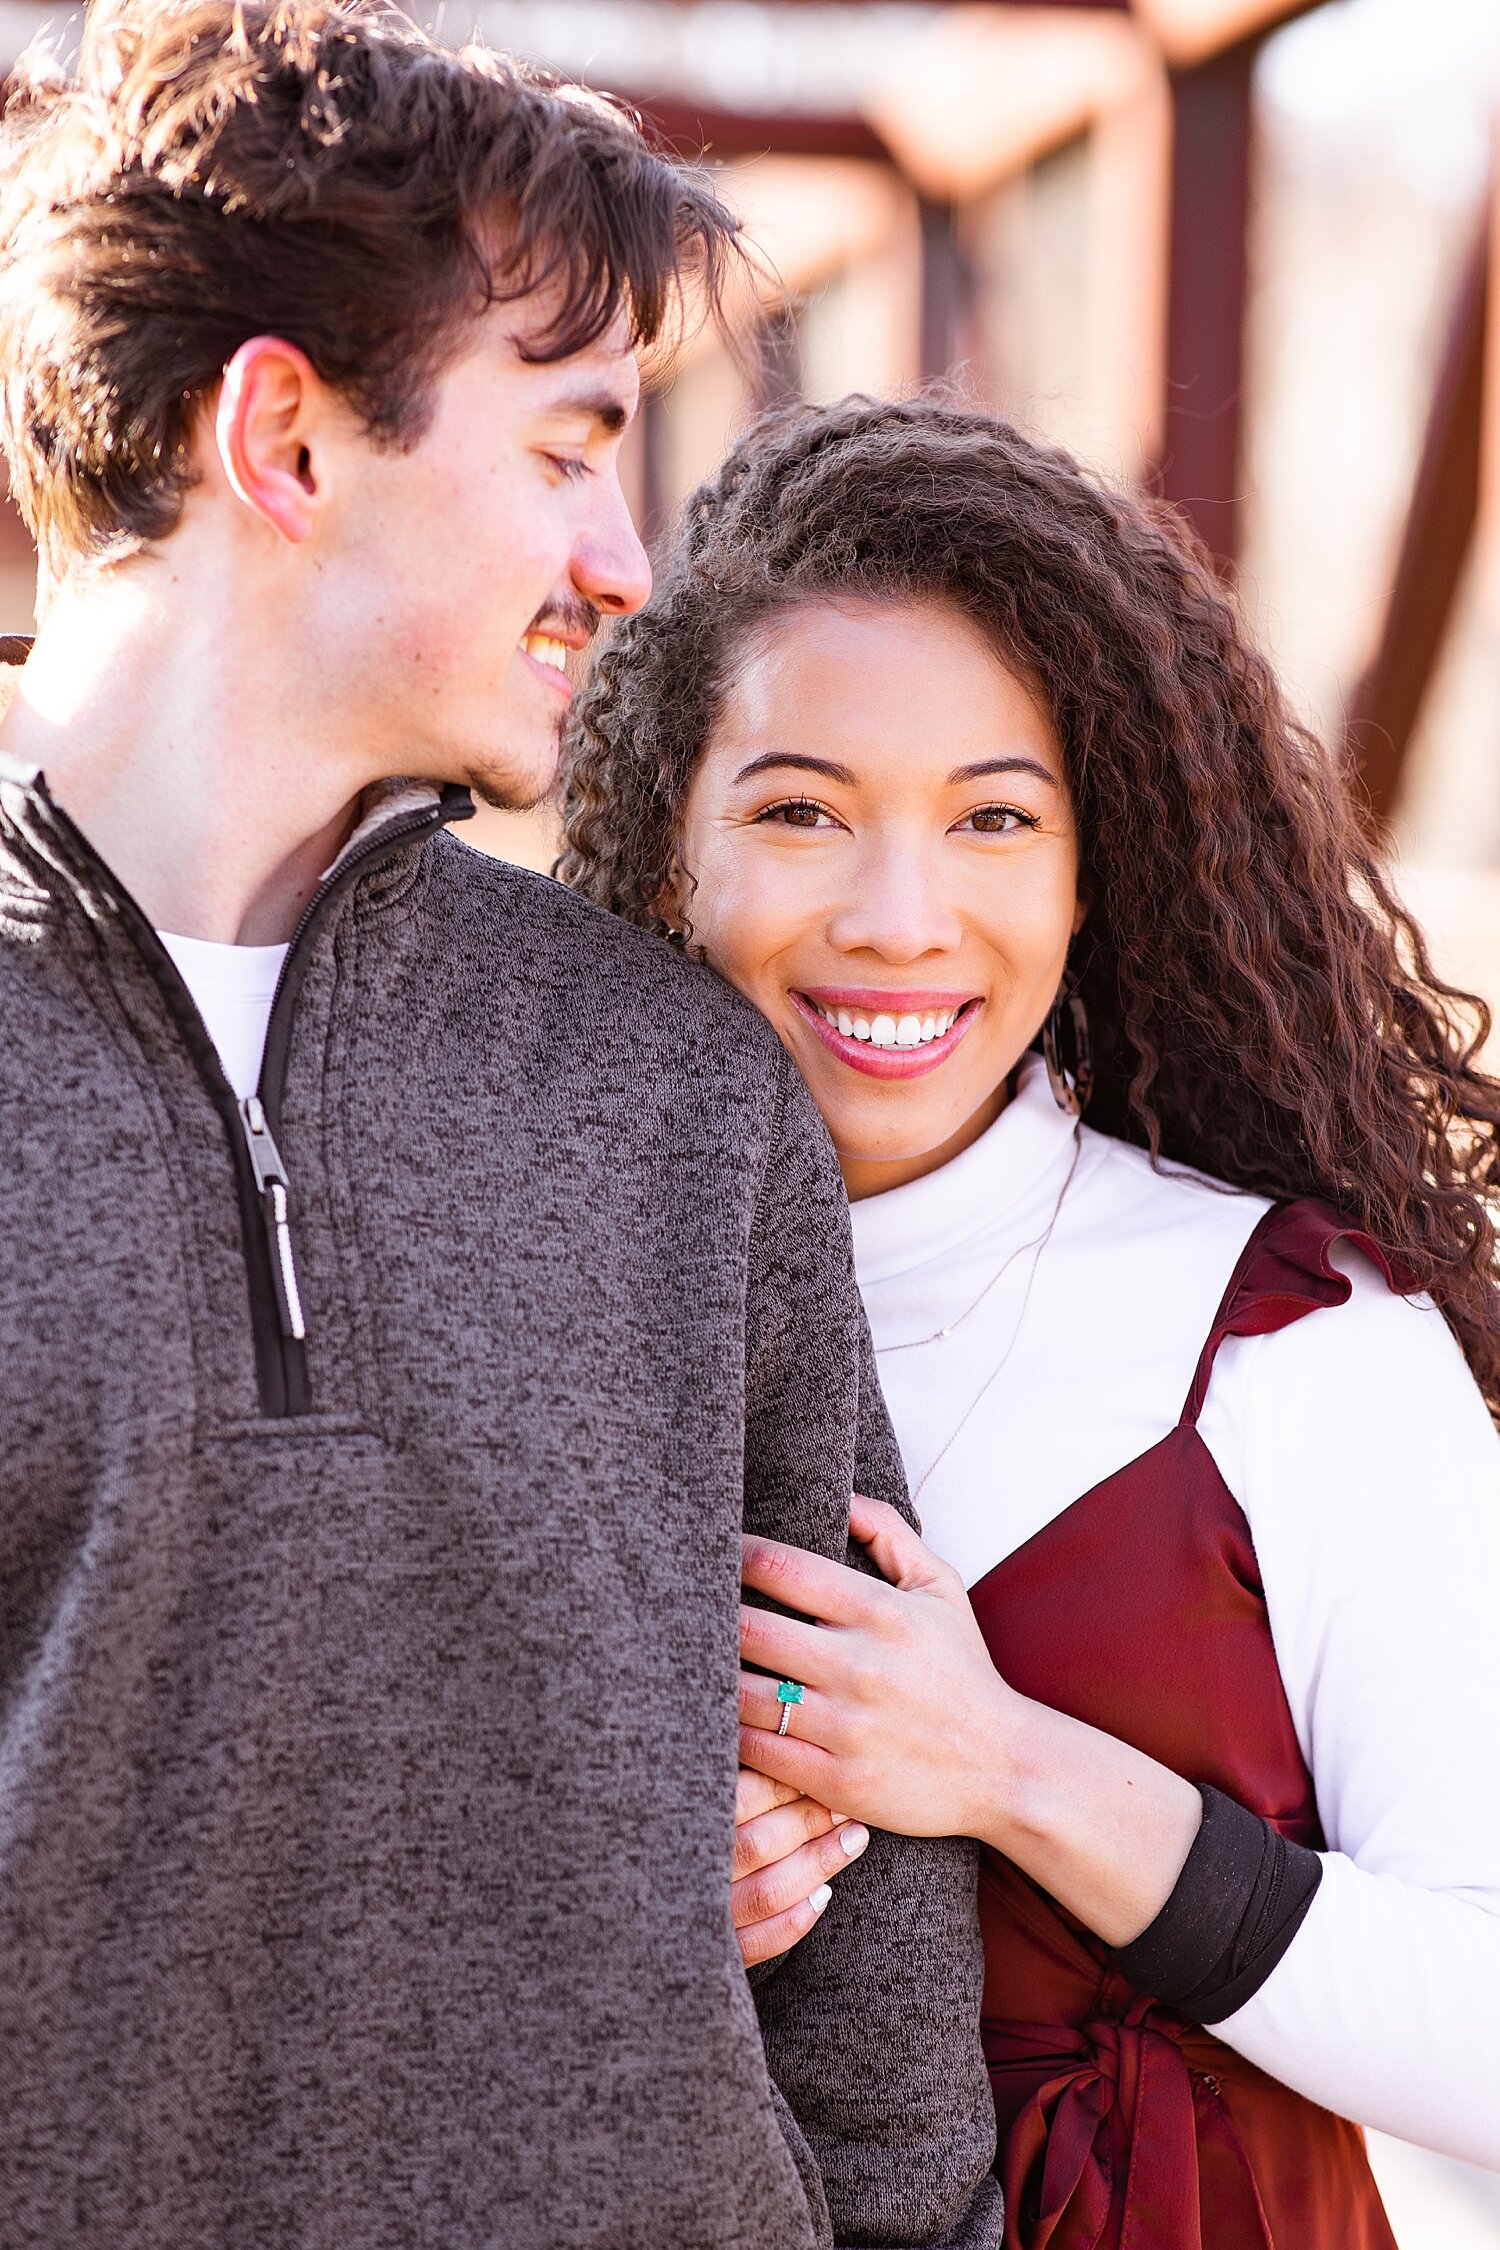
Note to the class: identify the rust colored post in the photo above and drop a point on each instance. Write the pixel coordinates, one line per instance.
(947, 291)
(1434, 547)
(1200, 455)
(778, 358)
(656, 497)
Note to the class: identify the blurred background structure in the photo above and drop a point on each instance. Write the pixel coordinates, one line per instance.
(1243, 252)
(1236, 250)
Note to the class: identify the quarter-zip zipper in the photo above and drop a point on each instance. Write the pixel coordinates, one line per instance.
(277, 1319)
(270, 1178)
(281, 1332)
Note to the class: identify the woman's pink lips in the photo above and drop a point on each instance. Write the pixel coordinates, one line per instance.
(887, 1062)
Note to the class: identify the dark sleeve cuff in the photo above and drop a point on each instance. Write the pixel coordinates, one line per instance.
(1241, 1898)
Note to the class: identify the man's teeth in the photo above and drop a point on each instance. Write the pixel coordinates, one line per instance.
(546, 650)
(892, 1031)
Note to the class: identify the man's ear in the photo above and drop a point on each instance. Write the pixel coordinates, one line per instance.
(270, 402)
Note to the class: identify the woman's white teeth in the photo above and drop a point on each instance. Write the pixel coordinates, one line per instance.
(892, 1031)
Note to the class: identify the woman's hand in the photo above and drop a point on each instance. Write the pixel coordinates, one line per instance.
(903, 1715)
(905, 1721)
(786, 1847)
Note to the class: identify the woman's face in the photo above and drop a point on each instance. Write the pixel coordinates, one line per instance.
(885, 862)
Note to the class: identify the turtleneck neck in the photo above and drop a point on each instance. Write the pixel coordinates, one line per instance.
(989, 1192)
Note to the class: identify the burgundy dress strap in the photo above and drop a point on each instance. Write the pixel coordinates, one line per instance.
(1285, 1270)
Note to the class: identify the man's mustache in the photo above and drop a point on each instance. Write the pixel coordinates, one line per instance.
(563, 620)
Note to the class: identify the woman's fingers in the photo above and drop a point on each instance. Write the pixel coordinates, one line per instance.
(764, 1940)
(780, 1903)
(778, 1833)
(814, 1719)
(788, 1882)
(810, 1583)
(755, 1793)
(894, 1548)
(787, 1849)
(805, 1766)
(785, 1646)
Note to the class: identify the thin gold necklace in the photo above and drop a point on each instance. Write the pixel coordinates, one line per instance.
(916, 1343)
(995, 1372)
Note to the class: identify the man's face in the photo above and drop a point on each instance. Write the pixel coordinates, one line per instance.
(471, 564)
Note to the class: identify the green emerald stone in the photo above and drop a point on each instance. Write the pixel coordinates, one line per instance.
(788, 1691)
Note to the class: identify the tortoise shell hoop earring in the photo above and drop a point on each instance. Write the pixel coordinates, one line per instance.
(1067, 1052)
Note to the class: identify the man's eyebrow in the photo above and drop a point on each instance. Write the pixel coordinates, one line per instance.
(606, 408)
(984, 766)
(800, 762)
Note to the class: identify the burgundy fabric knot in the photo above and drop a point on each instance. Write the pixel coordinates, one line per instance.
(1115, 2099)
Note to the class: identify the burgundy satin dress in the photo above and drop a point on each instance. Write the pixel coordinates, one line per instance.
(1123, 2125)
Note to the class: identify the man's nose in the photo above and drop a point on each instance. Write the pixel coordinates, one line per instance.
(610, 567)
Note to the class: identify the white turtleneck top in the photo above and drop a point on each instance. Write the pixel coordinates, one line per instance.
(1361, 1452)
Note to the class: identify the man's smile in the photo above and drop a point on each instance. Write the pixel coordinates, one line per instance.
(548, 656)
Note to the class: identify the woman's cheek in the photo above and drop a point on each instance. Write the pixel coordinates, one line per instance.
(761, 906)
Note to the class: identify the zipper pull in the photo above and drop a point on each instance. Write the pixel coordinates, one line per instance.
(270, 1178)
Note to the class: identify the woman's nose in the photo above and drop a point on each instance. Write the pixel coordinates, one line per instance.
(897, 909)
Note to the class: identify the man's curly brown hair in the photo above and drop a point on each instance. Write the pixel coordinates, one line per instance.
(1260, 1003)
(319, 170)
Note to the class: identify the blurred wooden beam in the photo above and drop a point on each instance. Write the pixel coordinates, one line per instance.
(1435, 545)
(693, 129)
(947, 301)
(809, 217)
(15, 539)
(778, 359)
(17, 564)
(653, 510)
(1199, 465)
(1191, 32)
(985, 92)
(1487, 531)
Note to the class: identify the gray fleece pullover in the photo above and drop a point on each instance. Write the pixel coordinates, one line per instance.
(367, 1695)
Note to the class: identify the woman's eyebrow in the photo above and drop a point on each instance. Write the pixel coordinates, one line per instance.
(985, 766)
(772, 759)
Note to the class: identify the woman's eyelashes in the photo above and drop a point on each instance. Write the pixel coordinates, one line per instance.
(567, 465)
(797, 812)
(998, 820)
(985, 820)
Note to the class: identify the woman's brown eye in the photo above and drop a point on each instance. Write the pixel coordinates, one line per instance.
(796, 812)
(991, 820)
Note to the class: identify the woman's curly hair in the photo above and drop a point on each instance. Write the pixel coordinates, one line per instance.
(1261, 1005)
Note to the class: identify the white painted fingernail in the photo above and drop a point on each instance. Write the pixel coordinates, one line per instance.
(820, 1898)
(838, 1818)
(853, 1839)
